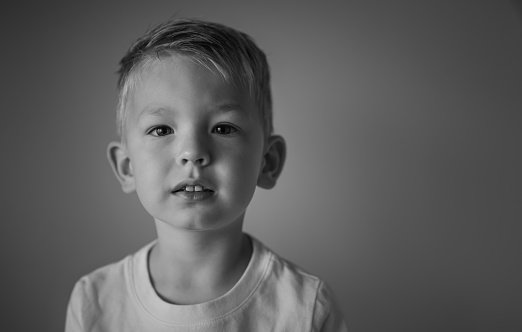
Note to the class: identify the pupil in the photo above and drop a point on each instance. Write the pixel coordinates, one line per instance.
(222, 130)
(161, 131)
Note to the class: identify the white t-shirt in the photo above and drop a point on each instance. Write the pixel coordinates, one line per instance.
(272, 295)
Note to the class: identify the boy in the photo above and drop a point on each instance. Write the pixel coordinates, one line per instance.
(195, 122)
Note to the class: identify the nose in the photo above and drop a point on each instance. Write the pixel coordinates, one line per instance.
(193, 150)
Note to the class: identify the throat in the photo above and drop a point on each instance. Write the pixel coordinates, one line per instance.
(192, 281)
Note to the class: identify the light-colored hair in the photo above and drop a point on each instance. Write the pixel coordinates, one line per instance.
(233, 54)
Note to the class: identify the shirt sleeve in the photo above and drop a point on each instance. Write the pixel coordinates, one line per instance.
(74, 309)
(327, 316)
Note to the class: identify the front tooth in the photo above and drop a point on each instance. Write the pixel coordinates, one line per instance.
(198, 188)
(189, 188)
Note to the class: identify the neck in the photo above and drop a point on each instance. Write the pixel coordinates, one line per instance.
(188, 267)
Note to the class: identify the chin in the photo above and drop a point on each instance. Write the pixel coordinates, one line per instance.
(199, 221)
(196, 225)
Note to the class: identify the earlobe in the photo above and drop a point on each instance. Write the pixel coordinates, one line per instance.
(121, 165)
(273, 162)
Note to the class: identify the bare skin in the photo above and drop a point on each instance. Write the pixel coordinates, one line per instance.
(190, 267)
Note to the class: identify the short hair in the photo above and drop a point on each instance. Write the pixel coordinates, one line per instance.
(233, 53)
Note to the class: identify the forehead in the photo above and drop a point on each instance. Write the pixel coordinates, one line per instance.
(180, 82)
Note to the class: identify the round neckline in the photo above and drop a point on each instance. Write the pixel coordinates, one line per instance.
(201, 313)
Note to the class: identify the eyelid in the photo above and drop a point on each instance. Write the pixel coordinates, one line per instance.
(151, 130)
(228, 124)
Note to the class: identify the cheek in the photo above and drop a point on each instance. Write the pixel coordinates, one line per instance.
(246, 167)
(149, 170)
(150, 183)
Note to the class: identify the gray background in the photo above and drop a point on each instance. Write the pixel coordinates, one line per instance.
(402, 187)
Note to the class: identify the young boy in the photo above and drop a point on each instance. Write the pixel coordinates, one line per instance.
(195, 122)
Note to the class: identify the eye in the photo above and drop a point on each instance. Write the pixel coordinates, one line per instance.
(224, 129)
(159, 131)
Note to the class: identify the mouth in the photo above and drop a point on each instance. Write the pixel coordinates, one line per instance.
(190, 188)
(193, 191)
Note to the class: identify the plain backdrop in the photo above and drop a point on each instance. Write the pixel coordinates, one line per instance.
(402, 187)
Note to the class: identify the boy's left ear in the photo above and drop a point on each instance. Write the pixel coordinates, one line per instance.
(273, 162)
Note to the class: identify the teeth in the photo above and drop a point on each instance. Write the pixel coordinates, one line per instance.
(193, 188)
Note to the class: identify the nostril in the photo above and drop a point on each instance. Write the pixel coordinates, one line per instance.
(197, 162)
(193, 156)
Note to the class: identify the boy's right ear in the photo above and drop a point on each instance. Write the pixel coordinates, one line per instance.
(121, 165)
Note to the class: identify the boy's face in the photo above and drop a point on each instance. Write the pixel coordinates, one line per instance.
(194, 145)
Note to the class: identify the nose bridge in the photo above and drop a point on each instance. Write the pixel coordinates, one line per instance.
(192, 147)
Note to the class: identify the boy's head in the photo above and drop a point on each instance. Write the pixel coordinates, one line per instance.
(195, 120)
(231, 53)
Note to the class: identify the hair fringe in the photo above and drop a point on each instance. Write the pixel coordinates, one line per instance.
(232, 53)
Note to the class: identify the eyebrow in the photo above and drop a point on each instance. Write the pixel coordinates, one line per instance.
(152, 111)
(230, 107)
(223, 108)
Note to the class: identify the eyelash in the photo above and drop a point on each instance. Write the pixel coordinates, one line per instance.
(154, 131)
(232, 129)
(229, 128)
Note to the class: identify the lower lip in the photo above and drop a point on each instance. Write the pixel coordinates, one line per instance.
(194, 196)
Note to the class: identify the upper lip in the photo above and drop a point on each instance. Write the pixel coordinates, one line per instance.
(193, 182)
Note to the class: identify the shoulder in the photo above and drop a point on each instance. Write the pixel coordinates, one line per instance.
(285, 271)
(98, 290)
(327, 314)
(287, 275)
(307, 294)
(99, 281)
(92, 291)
